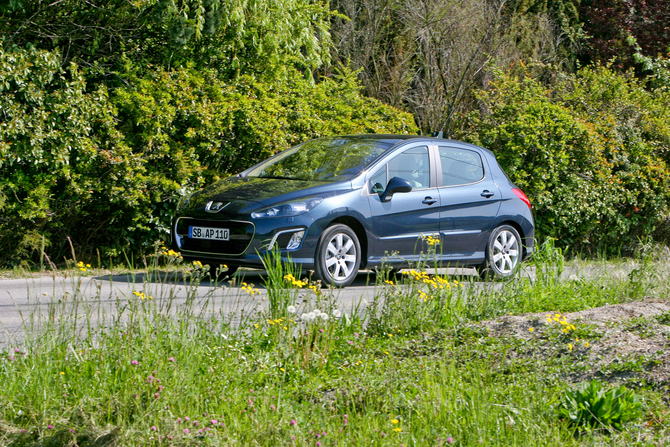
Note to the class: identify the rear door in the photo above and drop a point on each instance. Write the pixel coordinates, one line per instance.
(469, 201)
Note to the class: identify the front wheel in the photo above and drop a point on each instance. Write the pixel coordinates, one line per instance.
(503, 253)
(338, 256)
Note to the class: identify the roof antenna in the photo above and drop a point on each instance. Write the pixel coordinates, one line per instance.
(438, 134)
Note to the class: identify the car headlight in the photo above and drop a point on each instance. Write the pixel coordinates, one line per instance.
(288, 209)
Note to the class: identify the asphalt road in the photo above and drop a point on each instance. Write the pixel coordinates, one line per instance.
(21, 298)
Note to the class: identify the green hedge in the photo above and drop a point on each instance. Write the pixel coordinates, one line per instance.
(591, 152)
(106, 169)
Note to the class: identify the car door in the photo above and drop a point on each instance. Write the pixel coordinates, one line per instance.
(398, 224)
(469, 201)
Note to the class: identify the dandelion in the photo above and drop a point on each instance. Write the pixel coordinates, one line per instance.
(394, 421)
(324, 316)
(397, 429)
(291, 309)
(570, 346)
(337, 313)
(531, 329)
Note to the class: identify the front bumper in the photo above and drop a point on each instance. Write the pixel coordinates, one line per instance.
(250, 240)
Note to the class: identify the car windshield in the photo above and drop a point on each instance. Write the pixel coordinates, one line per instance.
(324, 159)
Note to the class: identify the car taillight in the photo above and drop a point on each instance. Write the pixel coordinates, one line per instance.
(522, 196)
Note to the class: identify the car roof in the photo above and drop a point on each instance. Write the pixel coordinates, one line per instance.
(394, 139)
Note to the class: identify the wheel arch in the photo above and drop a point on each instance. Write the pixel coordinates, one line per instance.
(519, 230)
(357, 228)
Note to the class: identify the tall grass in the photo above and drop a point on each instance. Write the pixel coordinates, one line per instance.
(412, 368)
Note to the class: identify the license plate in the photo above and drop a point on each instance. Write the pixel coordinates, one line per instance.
(216, 234)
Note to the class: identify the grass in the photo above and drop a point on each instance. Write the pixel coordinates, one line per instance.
(414, 367)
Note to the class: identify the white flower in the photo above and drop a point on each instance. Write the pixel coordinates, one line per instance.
(303, 317)
(291, 309)
(311, 316)
(324, 316)
(316, 312)
(337, 313)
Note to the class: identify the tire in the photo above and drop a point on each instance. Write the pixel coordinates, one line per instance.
(338, 256)
(503, 254)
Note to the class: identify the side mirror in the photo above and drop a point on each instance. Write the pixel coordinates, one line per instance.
(396, 184)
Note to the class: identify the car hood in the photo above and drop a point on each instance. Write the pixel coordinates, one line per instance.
(244, 193)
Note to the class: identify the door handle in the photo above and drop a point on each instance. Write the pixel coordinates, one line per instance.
(487, 193)
(429, 201)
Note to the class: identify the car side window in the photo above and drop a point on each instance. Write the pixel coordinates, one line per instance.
(413, 165)
(460, 166)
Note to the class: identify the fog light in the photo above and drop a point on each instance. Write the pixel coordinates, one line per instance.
(296, 240)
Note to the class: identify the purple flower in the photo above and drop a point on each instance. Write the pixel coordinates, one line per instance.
(187, 418)
(150, 379)
(186, 431)
(383, 435)
(153, 428)
(196, 423)
(351, 342)
(213, 422)
(450, 440)
(16, 350)
(178, 420)
(50, 427)
(135, 362)
(345, 416)
(293, 438)
(157, 395)
(293, 422)
(171, 359)
(72, 430)
(273, 408)
(318, 444)
(160, 387)
(11, 358)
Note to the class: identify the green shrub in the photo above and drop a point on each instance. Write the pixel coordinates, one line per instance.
(591, 153)
(106, 169)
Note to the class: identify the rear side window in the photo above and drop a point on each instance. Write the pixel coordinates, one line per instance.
(460, 166)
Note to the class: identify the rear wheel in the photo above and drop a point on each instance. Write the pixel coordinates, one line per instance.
(503, 253)
(338, 256)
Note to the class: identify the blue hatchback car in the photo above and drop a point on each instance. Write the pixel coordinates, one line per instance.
(335, 205)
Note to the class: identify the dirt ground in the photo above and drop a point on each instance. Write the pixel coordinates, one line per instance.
(631, 341)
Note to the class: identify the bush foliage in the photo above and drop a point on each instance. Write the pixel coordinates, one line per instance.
(105, 168)
(591, 152)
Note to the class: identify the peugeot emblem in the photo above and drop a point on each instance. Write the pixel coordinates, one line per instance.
(215, 207)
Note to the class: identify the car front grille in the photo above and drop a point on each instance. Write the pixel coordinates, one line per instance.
(241, 234)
